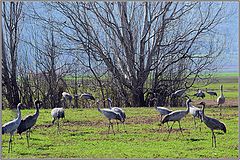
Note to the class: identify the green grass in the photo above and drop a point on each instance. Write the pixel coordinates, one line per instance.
(226, 74)
(84, 135)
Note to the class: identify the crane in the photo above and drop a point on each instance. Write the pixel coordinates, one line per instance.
(67, 96)
(162, 110)
(199, 94)
(11, 127)
(195, 112)
(28, 122)
(109, 114)
(87, 96)
(118, 110)
(178, 93)
(211, 93)
(212, 123)
(57, 113)
(221, 99)
(176, 116)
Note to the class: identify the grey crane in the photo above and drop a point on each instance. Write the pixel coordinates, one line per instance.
(178, 93)
(109, 114)
(211, 93)
(87, 96)
(118, 110)
(66, 96)
(176, 116)
(199, 94)
(11, 127)
(212, 123)
(28, 122)
(196, 113)
(162, 110)
(221, 99)
(57, 113)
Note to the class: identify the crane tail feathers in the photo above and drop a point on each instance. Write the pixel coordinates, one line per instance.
(3, 130)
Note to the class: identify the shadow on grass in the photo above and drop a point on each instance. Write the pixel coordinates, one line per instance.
(195, 139)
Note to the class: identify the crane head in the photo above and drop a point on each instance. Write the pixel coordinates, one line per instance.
(109, 100)
(36, 102)
(20, 106)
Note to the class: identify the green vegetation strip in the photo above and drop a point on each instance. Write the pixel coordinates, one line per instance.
(83, 134)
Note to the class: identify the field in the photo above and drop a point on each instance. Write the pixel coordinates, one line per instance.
(83, 134)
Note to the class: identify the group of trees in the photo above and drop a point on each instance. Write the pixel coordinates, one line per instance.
(129, 49)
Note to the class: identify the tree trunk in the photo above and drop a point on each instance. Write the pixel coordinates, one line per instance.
(138, 97)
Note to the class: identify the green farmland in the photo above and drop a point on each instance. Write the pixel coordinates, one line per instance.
(83, 133)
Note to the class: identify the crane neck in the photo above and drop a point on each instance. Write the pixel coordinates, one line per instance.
(110, 104)
(37, 109)
(19, 113)
(99, 108)
(221, 91)
(203, 114)
(188, 105)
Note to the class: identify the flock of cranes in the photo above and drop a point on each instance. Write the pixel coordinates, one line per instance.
(116, 113)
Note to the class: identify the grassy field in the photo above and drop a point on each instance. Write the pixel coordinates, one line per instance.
(84, 134)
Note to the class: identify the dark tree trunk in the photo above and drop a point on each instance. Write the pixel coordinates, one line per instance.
(138, 97)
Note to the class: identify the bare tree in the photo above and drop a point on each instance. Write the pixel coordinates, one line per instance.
(12, 17)
(134, 39)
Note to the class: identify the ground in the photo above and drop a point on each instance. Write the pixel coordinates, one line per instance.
(84, 134)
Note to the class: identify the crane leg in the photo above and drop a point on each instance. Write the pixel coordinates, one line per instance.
(195, 125)
(170, 130)
(10, 143)
(112, 127)
(180, 127)
(200, 125)
(109, 126)
(58, 126)
(220, 110)
(124, 127)
(27, 135)
(214, 139)
(117, 125)
(167, 125)
(53, 121)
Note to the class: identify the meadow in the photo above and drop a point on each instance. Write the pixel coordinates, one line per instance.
(83, 133)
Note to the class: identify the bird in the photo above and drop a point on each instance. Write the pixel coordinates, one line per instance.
(199, 94)
(109, 114)
(57, 113)
(195, 112)
(118, 110)
(66, 96)
(211, 93)
(221, 99)
(176, 116)
(178, 93)
(11, 127)
(87, 96)
(28, 122)
(212, 123)
(162, 110)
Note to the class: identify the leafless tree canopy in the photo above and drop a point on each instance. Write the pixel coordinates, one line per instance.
(162, 46)
(12, 17)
